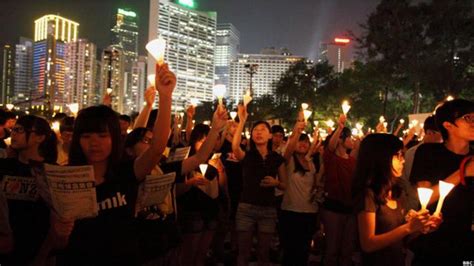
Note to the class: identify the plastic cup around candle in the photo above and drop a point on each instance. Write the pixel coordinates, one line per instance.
(151, 79)
(157, 48)
(424, 194)
(306, 114)
(444, 189)
(233, 115)
(304, 106)
(345, 107)
(203, 168)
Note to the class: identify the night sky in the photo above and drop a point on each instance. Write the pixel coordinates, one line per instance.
(299, 24)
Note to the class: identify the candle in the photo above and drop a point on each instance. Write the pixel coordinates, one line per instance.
(304, 106)
(345, 107)
(385, 124)
(9, 106)
(203, 168)
(449, 98)
(55, 127)
(316, 123)
(233, 115)
(424, 194)
(381, 119)
(74, 108)
(219, 91)
(444, 189)
(359, 125)
(194, 102)
(402, 121)
(109, 91)
(330, 123)
(306, 114)
(151, 79)
(8, 141)
(247, 98)
(157, 48)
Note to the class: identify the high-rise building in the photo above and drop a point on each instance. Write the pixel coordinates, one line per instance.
(80, 73)
(227, 48)
(191, 40)
(125, 38)
(269, 69)
(112, 76)
(7, 71)
(23, 69)
(138, 82)
(52, 33)
(336, 53)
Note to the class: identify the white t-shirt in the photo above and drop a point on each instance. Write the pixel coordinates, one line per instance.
(297, 197)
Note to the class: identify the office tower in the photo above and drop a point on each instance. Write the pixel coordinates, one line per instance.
(23, 72)
(336, 53)
(227, 48)
(80, 71)
(191, 39)
(269, 67)
(113, 78)
(138, 83)
(52, 33)
(7, 73)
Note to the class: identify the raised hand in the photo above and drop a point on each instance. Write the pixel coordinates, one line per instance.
(191, 111)
(150, 94)
(342, 120)
(165, 80)
(242, 112)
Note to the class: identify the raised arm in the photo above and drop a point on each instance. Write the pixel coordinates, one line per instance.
(335, 137)
(293, 139)
(142, 118)
(218, 122)
(242, 113)
(189, 121)
(165, 84)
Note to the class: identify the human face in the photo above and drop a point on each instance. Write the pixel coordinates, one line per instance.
(397, 164)
(347, 143)
(96, 146)
(143, 145)
(261, 134)
(66, 137)
(277, 138)
(18, 138)
(463, 128)
(302, 146)
(10, 123)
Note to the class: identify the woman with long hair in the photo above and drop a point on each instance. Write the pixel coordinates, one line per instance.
(260, 168)
(33, 140)
(111, 238)
(380, 213)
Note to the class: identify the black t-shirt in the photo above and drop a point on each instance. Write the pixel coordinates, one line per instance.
(28, 214)
(386, 219)
(453, 239)
(233, 169)
(254, 169)
(111, 237)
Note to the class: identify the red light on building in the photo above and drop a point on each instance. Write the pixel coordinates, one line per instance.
(341, 40)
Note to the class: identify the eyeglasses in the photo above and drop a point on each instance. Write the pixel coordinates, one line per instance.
(146, 140)
(469, 118)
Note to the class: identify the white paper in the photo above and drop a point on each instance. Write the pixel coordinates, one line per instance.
(154, 189)
(19, 188)
(179, 154)
(72, 189)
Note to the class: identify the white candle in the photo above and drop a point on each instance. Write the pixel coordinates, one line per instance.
(157, 48)
(424, 194)
(233, 115)
(444, 189)
(345, 107)
(304, 106)
(55, 127)
(402, 121)
(203, 168)
(247, 98)
(381, 119)
(219, 91)
(194, 102)
(151, 79)
(306, 114)
(316, 123)
(330, 123)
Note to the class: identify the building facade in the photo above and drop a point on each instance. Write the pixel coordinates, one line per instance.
(7, 71)
(336, 53)
(227, 48)
(269, 69)
(138, 83)
(113, 78)
(191, 40)
(23, 71)
(52, 33)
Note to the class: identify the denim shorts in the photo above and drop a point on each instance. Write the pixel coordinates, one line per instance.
(250, 216)
(195, 222)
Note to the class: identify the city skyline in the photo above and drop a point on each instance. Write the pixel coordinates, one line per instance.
(304, 25)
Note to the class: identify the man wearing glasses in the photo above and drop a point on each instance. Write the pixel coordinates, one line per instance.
(453, 242)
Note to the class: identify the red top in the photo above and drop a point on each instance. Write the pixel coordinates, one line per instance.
(338, 181)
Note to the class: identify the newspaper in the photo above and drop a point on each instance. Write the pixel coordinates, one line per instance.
(153, 190)
(178, 154)
(72, 190)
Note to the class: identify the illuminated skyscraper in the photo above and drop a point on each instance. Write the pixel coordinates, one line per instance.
(227, 48)
(138, 83)
(52, 33)
(7, 73)
(191, 40)
(23, 68)
(336, 54)
(112, 75)
(271, 65)
(80, 73)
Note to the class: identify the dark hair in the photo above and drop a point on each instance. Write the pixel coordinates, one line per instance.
(199, 131)
(277, 129)
(346, 132)
(255, 124)
(449, 111)
(298, 167)
(59, 116)
(133, 138)
(96, 119)
(5, 115)
(374, 167)
(125, 118)
(48, 148)
(66, 124)
(430, 124)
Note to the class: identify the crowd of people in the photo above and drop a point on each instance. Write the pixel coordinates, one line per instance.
(360, 192)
